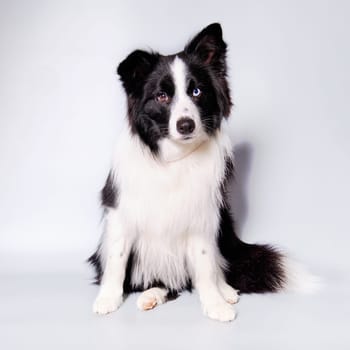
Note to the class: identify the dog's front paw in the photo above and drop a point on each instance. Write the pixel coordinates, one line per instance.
(106, 304)
(229, 293)
(220, 311)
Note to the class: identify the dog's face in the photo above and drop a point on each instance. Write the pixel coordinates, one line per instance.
(180, 98)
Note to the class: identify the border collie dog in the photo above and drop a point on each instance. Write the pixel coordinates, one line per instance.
(168, 225)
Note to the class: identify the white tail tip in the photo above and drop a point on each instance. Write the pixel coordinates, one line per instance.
(299, 279)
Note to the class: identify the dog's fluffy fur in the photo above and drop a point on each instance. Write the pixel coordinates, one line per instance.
(168, 225)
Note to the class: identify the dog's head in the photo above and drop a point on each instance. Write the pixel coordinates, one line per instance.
(180, 98)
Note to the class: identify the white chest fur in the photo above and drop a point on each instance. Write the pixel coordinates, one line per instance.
(162, 203)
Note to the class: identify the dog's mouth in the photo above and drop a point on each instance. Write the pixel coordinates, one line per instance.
(190, 139)
(187, 138)
(183, 139)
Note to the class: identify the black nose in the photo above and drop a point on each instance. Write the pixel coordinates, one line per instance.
(185, 126)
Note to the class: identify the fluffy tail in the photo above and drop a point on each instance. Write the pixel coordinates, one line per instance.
(254, 268)
(298, 278)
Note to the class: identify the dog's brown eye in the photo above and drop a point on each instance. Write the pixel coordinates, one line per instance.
(162, 97)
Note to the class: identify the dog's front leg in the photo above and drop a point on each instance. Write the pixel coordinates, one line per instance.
(203, 257)
(115, 250)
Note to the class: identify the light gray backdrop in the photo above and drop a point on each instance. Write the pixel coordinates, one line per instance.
(61, 107)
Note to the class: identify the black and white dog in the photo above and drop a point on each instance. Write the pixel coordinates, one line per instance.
(168, 225)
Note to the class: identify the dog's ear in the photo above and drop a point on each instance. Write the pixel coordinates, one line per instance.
(134, 70)
(209, 50)
(208, 46)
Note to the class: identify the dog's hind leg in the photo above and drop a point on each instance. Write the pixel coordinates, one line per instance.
(152, 297)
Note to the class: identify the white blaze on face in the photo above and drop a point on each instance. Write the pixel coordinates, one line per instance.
(182, 105)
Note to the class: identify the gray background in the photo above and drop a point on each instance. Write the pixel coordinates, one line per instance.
(61, 107)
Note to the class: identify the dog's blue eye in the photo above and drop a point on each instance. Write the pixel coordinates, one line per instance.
(196, 92)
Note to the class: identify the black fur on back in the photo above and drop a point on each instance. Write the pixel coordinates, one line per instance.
(109, 199)
(109, 193)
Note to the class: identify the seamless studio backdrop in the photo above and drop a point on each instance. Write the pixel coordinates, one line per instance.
(61, 108)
